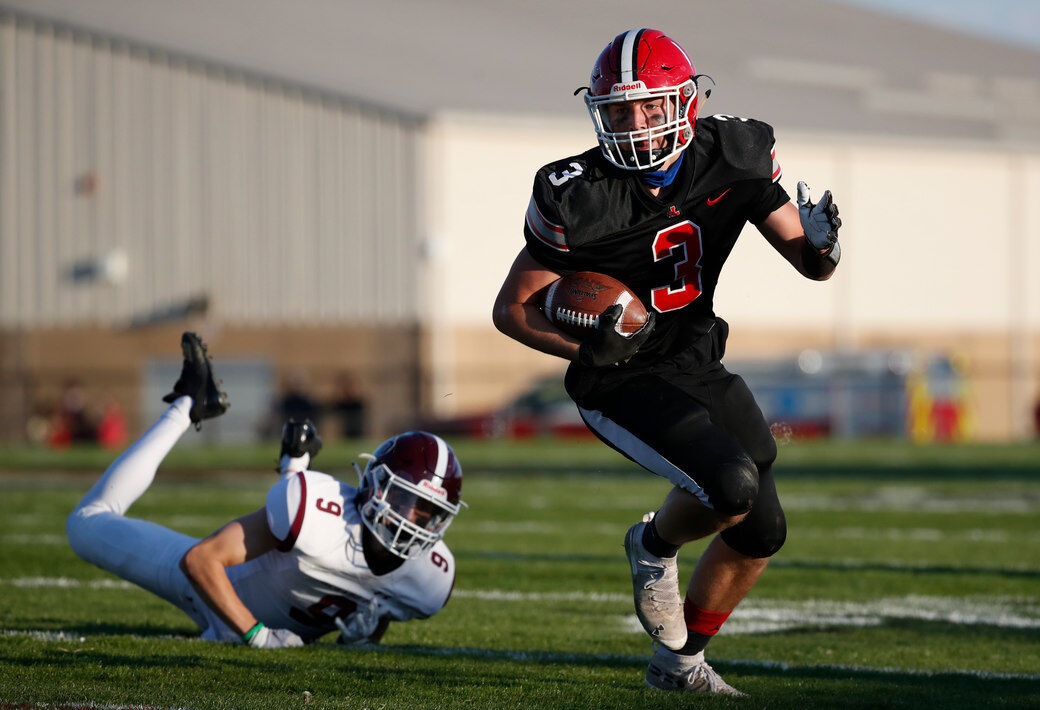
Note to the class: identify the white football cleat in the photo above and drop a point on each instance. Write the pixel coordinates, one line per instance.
(655, 586)
(688, 674)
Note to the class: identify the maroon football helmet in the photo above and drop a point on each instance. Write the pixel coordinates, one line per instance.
(410, 492)
(638, 65)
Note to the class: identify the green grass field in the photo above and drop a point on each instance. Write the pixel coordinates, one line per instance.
(911, 578)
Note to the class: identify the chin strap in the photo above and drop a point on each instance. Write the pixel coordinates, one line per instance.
(663, 178)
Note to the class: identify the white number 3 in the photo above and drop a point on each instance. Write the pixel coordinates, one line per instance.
(567, 175)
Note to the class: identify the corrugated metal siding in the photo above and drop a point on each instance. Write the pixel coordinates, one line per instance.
(280, 204)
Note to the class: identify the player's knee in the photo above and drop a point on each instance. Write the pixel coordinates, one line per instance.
(762, 536)
(756, 543)
(737, 487)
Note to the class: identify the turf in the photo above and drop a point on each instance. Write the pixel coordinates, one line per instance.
(910, 579)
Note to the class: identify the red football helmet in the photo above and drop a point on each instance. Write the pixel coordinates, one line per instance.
(643, 64)
(410, 492)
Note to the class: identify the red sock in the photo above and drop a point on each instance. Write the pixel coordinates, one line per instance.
(701, 621)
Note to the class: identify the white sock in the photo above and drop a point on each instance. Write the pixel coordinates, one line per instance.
(288, 464)
(130, 475)
(675, 661)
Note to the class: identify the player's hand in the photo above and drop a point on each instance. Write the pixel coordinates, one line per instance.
(362, 624)
(606, 346)
(819, 221)
(274, 638)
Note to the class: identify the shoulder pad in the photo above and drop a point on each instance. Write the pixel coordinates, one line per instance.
(545, 221)
(574, 200)
(744, 145)
(305, 506)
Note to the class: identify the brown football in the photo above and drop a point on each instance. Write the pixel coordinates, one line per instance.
(573, 303)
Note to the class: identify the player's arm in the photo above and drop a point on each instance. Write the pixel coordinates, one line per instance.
(205, 565)
(517, 314)
(806, 235)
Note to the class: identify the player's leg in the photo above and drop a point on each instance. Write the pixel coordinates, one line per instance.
(722, 579)
(717, 482)
(132, 473)
(683, 518)
(668, 431)
(734, 560)
(139, 551)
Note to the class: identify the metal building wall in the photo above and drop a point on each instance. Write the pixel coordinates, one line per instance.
(279, 204)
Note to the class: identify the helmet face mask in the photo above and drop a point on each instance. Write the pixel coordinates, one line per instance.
(410, 493)
(637, 70)
(407, 519)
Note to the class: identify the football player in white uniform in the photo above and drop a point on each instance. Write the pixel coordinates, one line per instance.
(319, 556)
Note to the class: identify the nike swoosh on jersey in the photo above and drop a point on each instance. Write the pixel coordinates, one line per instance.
(711, 202)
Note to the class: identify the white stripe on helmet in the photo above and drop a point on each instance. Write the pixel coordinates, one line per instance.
(442, 461)
(628, 56)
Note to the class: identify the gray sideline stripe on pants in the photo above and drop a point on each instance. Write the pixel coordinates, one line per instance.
(641, 452)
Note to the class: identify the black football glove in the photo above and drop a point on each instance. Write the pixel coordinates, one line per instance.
(606, 346)
(299, 440)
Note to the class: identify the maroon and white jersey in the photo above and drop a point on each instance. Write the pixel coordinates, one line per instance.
(320, 572)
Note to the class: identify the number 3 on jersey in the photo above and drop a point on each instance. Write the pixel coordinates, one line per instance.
(682, 240)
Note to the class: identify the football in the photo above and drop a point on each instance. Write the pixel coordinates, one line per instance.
(573, 303)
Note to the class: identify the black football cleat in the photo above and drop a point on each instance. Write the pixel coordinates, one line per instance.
(299, 438)
(197, 381)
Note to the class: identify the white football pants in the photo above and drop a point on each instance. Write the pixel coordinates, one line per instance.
(141, 552)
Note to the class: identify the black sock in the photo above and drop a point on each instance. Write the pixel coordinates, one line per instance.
(695, 643)
(655, 544)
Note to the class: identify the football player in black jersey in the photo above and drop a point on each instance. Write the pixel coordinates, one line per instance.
(658, 205)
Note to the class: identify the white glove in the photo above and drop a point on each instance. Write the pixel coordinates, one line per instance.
(274, 638)
(820, 221)
(360, 625)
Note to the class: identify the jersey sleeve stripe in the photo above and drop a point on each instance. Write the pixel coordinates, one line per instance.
(776, 165)
(294, 531)
(547, 232)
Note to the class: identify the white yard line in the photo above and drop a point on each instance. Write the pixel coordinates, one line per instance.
(30, 539)
(754, 616)
(981, 535)
(916, 534)
(908, 501)
(67, 583)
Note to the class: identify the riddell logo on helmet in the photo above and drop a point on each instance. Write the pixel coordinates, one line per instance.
(435, 489)
(618, 88)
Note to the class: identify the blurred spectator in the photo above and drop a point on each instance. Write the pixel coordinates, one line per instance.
(70, 423)
(111, 429)
(348, 407)
(294, 402)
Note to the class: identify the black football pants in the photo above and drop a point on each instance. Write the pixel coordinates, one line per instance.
(702, 431)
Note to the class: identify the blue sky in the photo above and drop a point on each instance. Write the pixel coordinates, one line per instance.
(1012, 21)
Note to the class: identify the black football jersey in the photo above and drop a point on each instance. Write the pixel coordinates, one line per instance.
(587, 215)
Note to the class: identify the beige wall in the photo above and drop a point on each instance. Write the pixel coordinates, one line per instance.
(36, 365)
(941, 251)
